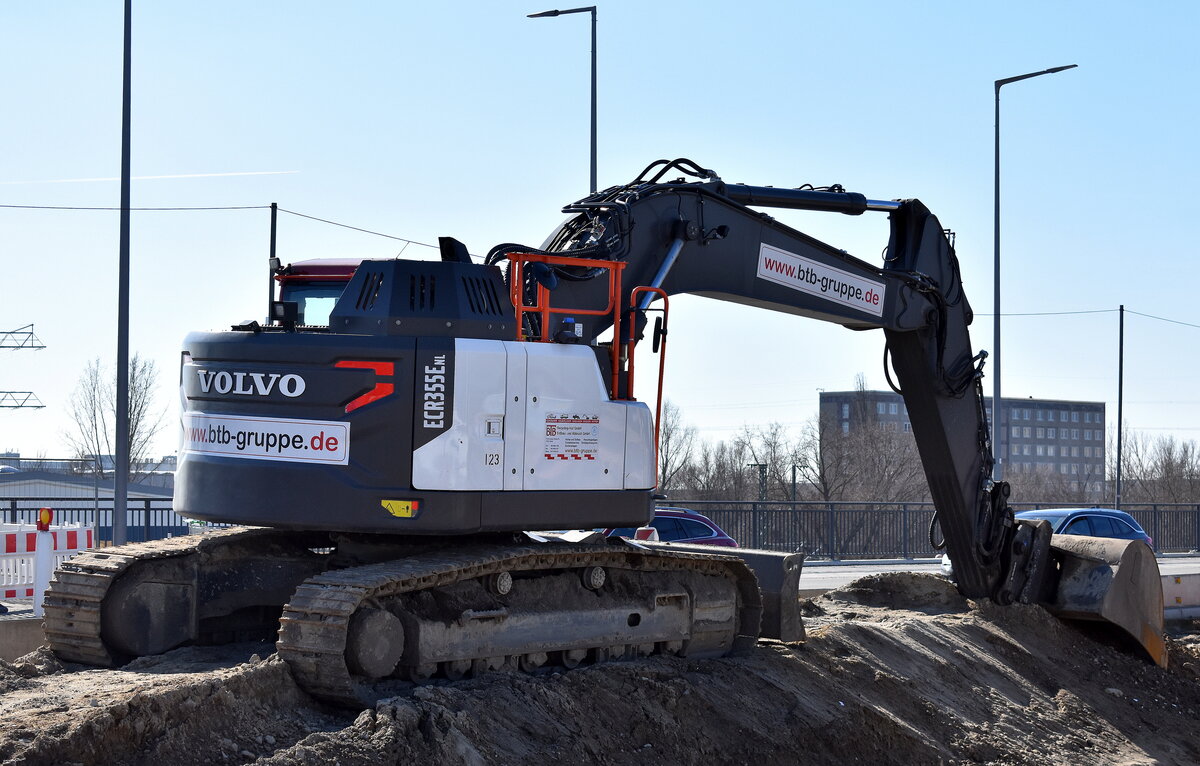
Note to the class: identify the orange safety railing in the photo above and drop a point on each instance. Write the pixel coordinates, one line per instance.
(622, 347)
(541, 302)
(661, 337)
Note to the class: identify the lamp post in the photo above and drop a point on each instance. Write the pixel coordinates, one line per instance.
(121, 471)
(762, 479)
(592, 10)
(1120, 399)
(997, 430)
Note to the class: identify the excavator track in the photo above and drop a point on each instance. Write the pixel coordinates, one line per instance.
(366, 615)
(75, 620)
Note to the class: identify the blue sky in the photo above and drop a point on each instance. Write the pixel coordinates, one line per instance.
(470, 120)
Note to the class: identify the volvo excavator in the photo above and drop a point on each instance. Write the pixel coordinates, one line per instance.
(380, 467)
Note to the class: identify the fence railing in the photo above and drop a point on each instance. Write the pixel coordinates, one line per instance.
(864, 530)
(145, 519)
(835, 530)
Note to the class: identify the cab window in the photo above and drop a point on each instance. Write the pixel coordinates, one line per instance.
(314, 301)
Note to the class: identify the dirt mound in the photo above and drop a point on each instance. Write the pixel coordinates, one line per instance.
(896, 669)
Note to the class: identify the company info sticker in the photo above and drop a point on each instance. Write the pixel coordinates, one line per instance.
(816, 278)
(283, 439)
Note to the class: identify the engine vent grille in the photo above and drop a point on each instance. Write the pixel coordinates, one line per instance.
(422, 292)
(368, 293)
(481, 296)
(425, 299)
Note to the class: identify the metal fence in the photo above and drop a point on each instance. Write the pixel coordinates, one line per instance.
(145, 519)
(839, 530)
(863, 530)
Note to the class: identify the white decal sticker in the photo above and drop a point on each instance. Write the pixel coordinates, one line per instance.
(816, 278)
(284, 439)
(572, 437)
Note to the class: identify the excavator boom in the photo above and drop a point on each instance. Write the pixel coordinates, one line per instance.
(702, 237)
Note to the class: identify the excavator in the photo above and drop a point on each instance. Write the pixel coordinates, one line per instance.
(380, 465)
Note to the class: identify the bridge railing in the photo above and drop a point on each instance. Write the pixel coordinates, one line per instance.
(869, 530)
(822, 530)
(145, 518)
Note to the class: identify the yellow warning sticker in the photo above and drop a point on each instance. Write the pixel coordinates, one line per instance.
(401, 509)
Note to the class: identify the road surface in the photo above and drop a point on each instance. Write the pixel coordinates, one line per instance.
(827, 575)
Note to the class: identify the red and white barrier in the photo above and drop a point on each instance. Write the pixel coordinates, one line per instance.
(18, 548)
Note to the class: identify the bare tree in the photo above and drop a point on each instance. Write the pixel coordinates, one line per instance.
(864, 459)
(94, 408)
(1044, 484)
(1162, 470)
(716, 472)
(676, 442)
(823, 461)
(773, 447)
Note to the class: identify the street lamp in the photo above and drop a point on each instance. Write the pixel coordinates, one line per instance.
(762, 479)
(997, 431)
(592, 10)
(121, 470)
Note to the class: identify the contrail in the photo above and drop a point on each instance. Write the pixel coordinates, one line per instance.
(154, 178)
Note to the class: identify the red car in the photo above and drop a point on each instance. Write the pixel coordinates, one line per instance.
(680, 525)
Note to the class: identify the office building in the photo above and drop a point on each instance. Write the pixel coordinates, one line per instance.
(1047, 436)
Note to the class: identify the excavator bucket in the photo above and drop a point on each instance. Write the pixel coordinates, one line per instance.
(1111, 581)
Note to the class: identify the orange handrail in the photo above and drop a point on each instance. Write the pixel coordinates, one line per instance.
(662, 358)
(541, 302)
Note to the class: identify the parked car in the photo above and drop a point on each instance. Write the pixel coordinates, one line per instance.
(1091, 522)
(1088, 522)
(681, 525)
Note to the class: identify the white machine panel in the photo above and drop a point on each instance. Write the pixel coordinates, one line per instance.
(535, 416)
(514, 412)
(640, 470)
(574, 436)
(469, 455)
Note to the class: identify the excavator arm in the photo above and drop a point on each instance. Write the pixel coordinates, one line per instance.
(701, 236)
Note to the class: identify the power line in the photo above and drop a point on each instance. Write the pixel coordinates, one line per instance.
(1094, 311)
(355, 228)
(1052, 313)
(226, 207)
(140, 209)
(1162, 319)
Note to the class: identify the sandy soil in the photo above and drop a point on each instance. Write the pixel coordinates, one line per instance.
(897, 669)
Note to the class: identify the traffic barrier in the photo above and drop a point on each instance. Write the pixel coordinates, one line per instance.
(1181, 596)
(646, 533)
(18, 546)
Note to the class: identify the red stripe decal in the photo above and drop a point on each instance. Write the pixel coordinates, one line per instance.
(379, 391)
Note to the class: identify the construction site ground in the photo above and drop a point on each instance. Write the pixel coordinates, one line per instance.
(896, 669)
